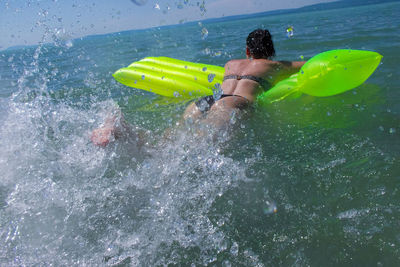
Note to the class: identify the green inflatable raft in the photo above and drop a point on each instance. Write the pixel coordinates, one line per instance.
(326, 74)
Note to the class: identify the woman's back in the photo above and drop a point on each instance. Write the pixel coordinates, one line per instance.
(249, 77)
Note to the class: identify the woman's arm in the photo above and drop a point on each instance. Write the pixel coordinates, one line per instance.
(292, 66)
(298, 64)
(284, 69)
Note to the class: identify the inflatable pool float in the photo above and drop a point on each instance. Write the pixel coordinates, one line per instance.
(326, 74)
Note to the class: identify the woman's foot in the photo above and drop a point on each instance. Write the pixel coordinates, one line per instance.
(102, 136)
(106, 133)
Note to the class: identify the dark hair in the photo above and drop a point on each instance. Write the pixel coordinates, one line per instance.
(260, 44)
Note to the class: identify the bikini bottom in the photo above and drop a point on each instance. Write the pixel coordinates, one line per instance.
(205, 103)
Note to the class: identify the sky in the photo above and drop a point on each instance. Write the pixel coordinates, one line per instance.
(27, 22)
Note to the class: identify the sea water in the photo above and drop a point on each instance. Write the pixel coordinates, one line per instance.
(312, 181)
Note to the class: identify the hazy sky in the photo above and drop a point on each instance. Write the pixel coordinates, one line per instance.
(24, 22)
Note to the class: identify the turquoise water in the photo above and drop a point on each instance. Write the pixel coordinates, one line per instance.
(329, 166)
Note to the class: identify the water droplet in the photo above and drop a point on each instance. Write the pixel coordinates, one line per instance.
(204, 33)
(69, 44)
(270, 208)
(202, 7)
(139, 2)
(289, 31)
(218, 54)
(143, 77)
(211, 77)
(204, 69)
(234, 249)
(392, 130)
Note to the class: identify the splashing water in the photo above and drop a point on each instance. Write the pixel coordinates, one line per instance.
(111, 205)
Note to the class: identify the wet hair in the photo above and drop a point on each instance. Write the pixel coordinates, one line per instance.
(260, 44)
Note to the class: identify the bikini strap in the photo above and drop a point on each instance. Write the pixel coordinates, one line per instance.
(226, 95)
(253, 78)
(232, 76)
(247, 77)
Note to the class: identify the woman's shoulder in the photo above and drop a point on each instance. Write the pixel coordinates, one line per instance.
(236, 65)
(236, 61)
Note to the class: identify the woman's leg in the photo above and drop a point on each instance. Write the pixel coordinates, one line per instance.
(223, 112)
(115, 127)
(192, 113)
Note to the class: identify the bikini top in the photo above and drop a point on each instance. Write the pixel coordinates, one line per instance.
(259, 80)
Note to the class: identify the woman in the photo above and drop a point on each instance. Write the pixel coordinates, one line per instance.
(244, 80)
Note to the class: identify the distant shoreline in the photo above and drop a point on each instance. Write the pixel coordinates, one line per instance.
(316, 7)
(310, 8)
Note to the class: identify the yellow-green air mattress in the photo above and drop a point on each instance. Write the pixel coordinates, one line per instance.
(328, 73)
